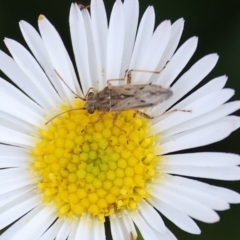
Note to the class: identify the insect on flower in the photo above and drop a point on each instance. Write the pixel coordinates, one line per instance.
(123, 97)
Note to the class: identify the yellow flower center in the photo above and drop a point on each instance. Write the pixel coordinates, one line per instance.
(93, 167)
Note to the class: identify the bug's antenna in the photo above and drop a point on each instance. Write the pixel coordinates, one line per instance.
(68, 86)
(75, 109)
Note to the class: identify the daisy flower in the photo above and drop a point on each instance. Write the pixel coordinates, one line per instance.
(68, 173)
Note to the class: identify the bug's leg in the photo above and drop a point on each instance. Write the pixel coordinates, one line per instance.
(100, 117)
(114, 124)
(152, 117)
(74, 109)
(81, 6)
(129, 72)
(84, 99)
(114, 79)
(132, 237)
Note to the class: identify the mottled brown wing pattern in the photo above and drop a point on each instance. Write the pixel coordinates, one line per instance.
(137, 96)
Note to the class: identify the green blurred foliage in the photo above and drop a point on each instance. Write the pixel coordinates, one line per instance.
(216, 22)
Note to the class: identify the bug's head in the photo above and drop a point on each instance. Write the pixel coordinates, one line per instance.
(90, 103)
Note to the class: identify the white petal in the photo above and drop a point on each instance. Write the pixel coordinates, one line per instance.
(117, 232)
(17, 124)
(143, 38)
(12, 137)
(131, 9)
(37, 226)
(80, 46)
(115, 41)
(13, 106)
(151, 216)
(197, 108)
(18, 207)
(84, 227)
(18, 225)
(227, 194)
(58, 54)
(11, 69)
(64, 230)
(177, 186)
(199, 137)
(98, 230)
(188, 81)
(35, 43)
(153, 54)
(207, 159)
(128, 222)
(217, 114)
(10, 196)
(176, 33)
(100, 31)
(12, 91)
(74, 228)
(146, 231)
(180, 219)
(178, 62)
(31, 68)
(189, 206)
(52, 231)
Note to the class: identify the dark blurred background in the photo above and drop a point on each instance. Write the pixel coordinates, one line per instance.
(215, 22)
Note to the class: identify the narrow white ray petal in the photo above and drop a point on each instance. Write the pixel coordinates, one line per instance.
(227, 194)
(167, 235)
(12, 70)
(198, 107)
(153, 52)
(178, 62)
(100, 31)
(129, 223)
(205, 197)
(188, 81)
(208, 159)
(64, 230)
(91, 51)
(15, 183)
(146, 231)
(116, 230)
(17, 208)
(219, 192)
(38, 225)
(131, 10)
(189, 206)
(52, 231)
(16, 124)
(212, 86)
(12, 137)
(115, 41)
(74, 228)
(18, 225)
(180, 219)
(39, 50)
(13, 151)
(207, 118)
(198, 137)
(10, 196)
(13, 173)
(143, 38)
(176, 33)
(84, 228)
(151, 216)
(220, 173)
(9, 89)
(14, 107)
(6, 162)
(98, 230)
(58, 54)
(31, 68)
(80, 46)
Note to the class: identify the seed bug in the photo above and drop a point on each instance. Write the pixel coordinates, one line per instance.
(123, 97)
